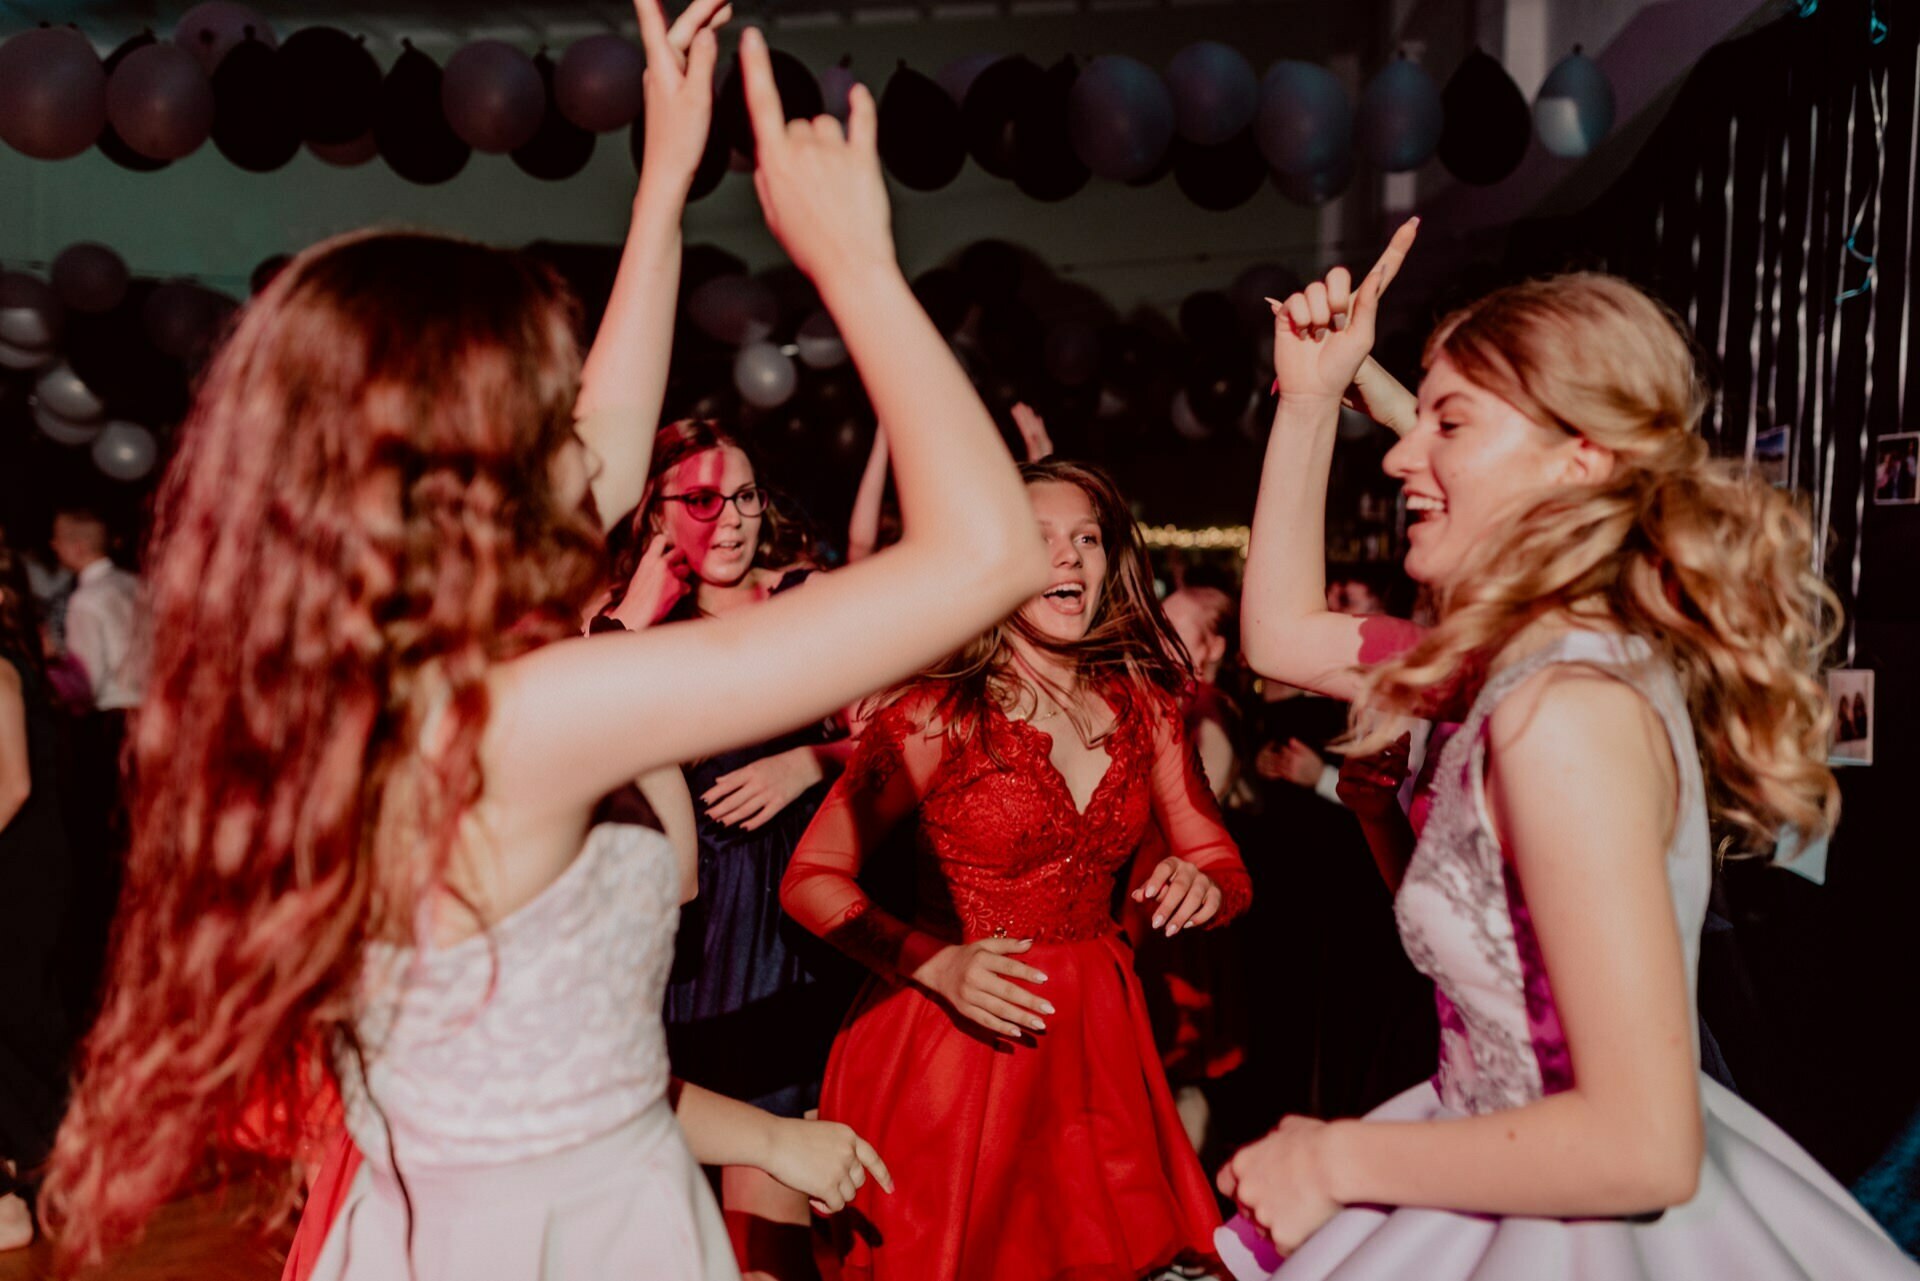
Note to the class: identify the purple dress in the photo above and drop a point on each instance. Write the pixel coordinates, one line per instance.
(1764, 1211)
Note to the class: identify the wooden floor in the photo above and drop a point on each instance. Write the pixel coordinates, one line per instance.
(195, 1239)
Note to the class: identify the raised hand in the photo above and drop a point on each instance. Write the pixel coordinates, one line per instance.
(1322, 334)
(820, 188)
(976, 979)
(1033, 432)
(1184, 895)
(679, 84)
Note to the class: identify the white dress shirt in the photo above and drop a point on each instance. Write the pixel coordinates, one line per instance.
(103, 633)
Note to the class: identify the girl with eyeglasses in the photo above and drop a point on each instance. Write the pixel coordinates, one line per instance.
(707, 541)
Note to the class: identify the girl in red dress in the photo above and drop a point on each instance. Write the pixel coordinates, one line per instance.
(1001, 1058)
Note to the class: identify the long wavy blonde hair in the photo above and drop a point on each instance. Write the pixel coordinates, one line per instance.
(1695, 554)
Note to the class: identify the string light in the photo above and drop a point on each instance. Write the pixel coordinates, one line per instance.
(1232, 538)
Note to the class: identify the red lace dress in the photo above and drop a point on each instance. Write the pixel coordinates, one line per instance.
(1054, 1158)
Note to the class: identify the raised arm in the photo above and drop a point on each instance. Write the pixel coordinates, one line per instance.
(577, 718)
(863, 526)
(1286, 629)
(624, 379)
(1580, 788)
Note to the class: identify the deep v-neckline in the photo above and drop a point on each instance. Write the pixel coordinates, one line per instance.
(1059, 776)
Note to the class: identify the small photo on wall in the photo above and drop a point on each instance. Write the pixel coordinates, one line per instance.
(1896, 470)
(1851, 692)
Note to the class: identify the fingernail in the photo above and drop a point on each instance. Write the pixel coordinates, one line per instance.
(1172, 930)
(1038, 1025)
(1158, 921)
(1046, 1007)
(1042, 979)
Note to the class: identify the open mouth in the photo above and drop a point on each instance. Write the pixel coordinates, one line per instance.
(726, 546)
(1421, 507)
(1066, 598)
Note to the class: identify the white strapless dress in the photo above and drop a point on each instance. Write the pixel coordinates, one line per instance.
(513, 1103)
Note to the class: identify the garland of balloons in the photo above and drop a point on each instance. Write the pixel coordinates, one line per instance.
(102, 349)
(1221, 131)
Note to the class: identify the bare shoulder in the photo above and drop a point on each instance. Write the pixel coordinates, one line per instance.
(1572, 733)
(10, 682)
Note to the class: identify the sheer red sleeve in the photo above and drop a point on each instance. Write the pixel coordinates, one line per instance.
(1189, 818)
(890, 771)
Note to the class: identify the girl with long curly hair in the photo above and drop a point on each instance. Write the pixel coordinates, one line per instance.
(375, 739)
(709, 540)
(1629, 635)
(1001, 1053)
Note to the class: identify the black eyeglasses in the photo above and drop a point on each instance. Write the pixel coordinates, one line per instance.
(705, 504)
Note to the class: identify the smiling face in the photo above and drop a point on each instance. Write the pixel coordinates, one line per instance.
(1471, 463)
(721, 550)
(1077, 552)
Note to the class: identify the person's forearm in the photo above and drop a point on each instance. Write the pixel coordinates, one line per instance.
(720, 1130)
(624, 379)
(1286, 576)
(1390, 840)
(1561, 1157)
(863, 526)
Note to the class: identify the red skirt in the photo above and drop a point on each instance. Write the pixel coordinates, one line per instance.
(1058, 1159)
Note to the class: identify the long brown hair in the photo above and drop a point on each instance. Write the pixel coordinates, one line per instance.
(785, 539)
(1129, 648)
(360, 522)
(1699, 556)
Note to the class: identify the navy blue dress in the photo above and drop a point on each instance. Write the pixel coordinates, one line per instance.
(754, 1000)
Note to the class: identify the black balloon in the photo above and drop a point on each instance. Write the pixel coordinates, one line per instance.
(1045, 165)
(111, 144)
(562, 148)
(793, 292)
(346, 155)
(1072, 353)
(921, 140)
(1014, 341)
(113, 356)
(1488, 123)
(333, 82)
(799, 99)
(992, 270)
(1313, 189)
(999, 98)
(1160, 170)
(1209, 320)
(1218, 385)
(89, 278)
(1219, 178)
(253, 121)
(412, 131)
(944, 295)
